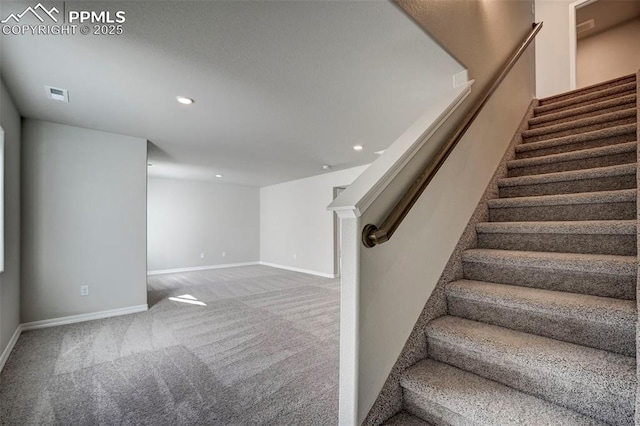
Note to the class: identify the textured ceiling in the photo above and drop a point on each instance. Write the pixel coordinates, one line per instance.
(281, 88)
(607, 14)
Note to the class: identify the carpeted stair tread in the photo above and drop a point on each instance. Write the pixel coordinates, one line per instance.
(582, 262)
(620, 90)
(591, 381)
(404, 418)
(446, 395)
(601, 197)
(576, 124)
(630, 78)
(588, 227)
(570, 175)
(609, 132)
(617, 237)
(606, 275)
(627, 101)
(597, 205)
(574, 155)
(600, 178)
(599, 322)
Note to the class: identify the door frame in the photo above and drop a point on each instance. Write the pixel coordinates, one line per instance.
(573, 41)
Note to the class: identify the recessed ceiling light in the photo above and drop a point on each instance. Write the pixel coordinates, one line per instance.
(218, 176)
(380, 152)
(184, 100)
(358, 147)
(326, 167)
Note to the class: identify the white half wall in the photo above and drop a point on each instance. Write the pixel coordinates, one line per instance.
(188, 218)
(10, 277)
(296, 229)
(609, 54)
(394, 280)
(84, 221)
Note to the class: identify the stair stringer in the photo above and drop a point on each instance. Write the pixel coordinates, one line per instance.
(637, 414)
(389, 400)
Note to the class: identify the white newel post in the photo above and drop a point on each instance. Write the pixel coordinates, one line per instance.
(349, 316)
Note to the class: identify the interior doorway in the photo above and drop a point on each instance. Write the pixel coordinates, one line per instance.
(603, 40)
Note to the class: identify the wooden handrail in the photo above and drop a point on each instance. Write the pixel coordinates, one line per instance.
(371, 234)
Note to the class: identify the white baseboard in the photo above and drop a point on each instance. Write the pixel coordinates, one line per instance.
(233, 265)
(200, 268)
(294, 269)
(83, 317)
(12, 343)
(62, 321)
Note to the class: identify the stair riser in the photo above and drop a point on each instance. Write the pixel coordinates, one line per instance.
(589, 400)
(431, 412)
(404, 418)
(571, 187)
(578, 130)
(596, 284)
(584, 163)
(536, 124)
(612, 211)
(595, 335)
(577, 146)
(552, 109)
(446, 395)
(624, 245)
(595, 88)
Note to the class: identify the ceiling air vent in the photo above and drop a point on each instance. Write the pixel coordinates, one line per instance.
(57, 94)
(586, 26)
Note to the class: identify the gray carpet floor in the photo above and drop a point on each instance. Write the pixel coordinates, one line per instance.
(238, 346)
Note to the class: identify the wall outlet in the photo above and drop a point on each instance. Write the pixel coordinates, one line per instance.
(295, 256)
(201, 255)
(224, 253)
(84, 290)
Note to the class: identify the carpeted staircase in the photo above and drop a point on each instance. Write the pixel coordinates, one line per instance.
(541, 330)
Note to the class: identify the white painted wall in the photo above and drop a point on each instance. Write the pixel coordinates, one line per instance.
(609, 54)
(83, 222)
(294, 220)
(398, 277)
(10, 278)
(552, 47)
(187, 218)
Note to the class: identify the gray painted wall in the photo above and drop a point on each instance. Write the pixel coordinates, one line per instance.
(83, 222)
(296, 229)
(10, 278)
(187, 218)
